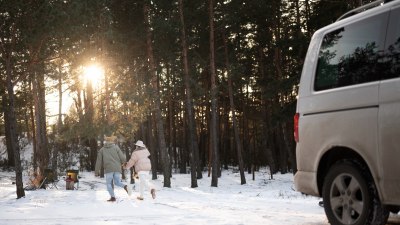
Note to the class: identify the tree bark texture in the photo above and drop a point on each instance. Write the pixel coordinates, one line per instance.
(156, 100)
(40, 119)
(9, 142)
(13, 130)
(214, 102)
(90, 135)
(193, 144)
(238, 140)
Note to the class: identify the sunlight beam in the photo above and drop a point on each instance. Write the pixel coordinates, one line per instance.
(94, 74)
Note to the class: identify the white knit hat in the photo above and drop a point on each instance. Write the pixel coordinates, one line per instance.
(140, 144)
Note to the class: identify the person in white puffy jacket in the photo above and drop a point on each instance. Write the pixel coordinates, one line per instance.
(140, 160)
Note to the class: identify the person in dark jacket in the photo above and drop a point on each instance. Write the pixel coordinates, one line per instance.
(111, 158)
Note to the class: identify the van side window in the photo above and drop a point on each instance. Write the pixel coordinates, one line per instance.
(390, 64)
(350, 54)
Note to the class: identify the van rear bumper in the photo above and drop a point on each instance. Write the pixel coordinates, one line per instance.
(306, 182)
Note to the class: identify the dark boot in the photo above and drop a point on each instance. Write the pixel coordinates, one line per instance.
(153, 193)
(129, 191)
(112, 199)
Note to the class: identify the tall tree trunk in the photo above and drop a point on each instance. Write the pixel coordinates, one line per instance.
(307, 18)
(214, 103)
(153, 152)
(89, 114)
(246, 133)
(40, 119)
(283, 149)
(9, 142)
(299, 31)
(13, 130)
(157, 101)
(267, 112)
(183, 150)
(238, 140)
(225, 147)
(288, 140)
(33, 128)
(59, 123)
(171, 119)
(193, 144)
(102, 133)
(108, 107)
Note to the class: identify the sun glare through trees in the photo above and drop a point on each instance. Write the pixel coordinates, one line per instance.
(93, 74)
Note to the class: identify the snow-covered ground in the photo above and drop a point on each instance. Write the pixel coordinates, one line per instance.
(262, 201)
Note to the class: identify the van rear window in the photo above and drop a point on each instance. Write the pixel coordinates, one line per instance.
(391, 61)
(350, 55)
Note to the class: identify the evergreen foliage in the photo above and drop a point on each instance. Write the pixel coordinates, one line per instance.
(49, 43)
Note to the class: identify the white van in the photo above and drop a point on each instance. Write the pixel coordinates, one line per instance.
(347, 124)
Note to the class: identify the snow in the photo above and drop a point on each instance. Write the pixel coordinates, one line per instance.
(260, 201)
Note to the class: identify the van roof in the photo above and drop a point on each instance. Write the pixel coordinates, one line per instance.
(382, 6)
(363, 8)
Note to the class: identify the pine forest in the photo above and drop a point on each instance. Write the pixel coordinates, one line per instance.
(206, 85)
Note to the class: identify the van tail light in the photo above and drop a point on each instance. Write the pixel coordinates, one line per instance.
(296, 126)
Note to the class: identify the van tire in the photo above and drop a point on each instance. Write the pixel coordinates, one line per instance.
(350, 196)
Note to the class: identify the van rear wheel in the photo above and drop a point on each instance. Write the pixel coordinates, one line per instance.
(350, 196)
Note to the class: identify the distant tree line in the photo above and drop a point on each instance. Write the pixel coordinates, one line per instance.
(205, 84)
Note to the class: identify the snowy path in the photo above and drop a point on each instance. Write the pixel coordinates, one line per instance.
(263, 201)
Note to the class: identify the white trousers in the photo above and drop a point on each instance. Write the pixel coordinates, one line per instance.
(144, 182)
